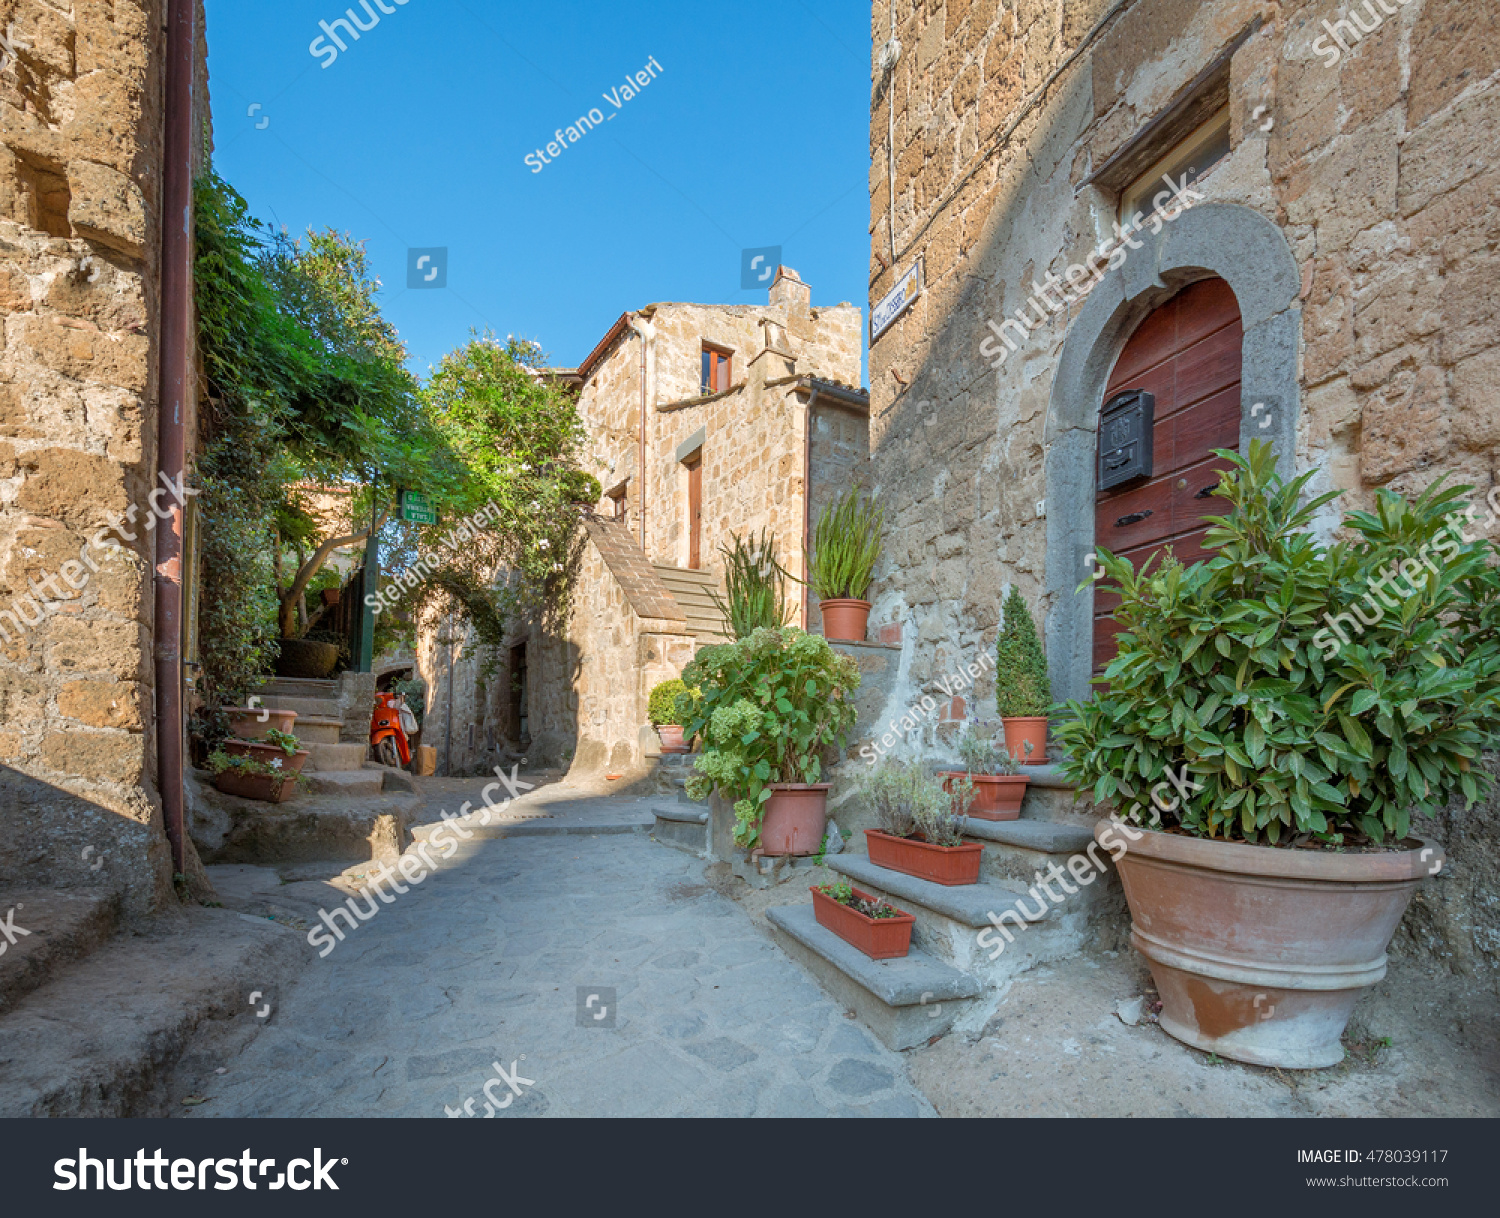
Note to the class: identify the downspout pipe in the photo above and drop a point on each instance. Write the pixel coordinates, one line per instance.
(171, 440)
(807, 506)
(647, 332)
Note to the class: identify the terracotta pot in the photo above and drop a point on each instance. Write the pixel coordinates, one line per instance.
(306, 658)
(245, 722)
(878, 938)
(267, 753)
(331, 596)
(947, 865)
(671, 738)
(845, 619)
(1024, 728)
(996, 796)
(795, 818)
(255, 786)
(1260, 954)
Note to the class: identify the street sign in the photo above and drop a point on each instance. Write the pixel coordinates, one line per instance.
(417, 508)
(896, 301)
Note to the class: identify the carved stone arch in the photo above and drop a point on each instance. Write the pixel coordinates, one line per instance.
(1251, 254)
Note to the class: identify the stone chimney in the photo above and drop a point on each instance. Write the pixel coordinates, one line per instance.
(787, 289)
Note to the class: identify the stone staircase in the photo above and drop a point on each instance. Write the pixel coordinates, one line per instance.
(692, 590)
(680, 822)
(950, 981)
(95, 1016)
(334, 766)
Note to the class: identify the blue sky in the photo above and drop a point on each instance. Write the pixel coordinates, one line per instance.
(755, 132)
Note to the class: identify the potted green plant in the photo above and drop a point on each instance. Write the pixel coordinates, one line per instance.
(995, 775)
(666, 718)
(249, 722)
(875, 927)
(1023, 691)
(921, 825)
(755, 595)
(846, 547)
(1263, 748)
(768, 707)
(267, 771)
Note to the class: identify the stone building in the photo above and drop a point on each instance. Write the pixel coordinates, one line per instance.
(704, 421)
(1276, 216)
(85, 127)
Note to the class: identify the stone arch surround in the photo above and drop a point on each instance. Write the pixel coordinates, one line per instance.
(1236, 244)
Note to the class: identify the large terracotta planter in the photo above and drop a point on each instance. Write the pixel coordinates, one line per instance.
(878, 938)
(245, 722)
(306, 658)
(996, 796)
(795, 818)
(670, 735)
(256, 786)
(845, 620)
(1260, 954)
(1024, 729)
(947, 865)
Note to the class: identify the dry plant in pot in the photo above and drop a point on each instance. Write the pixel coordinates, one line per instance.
(921, 825)
(996, 776)
(1263, 771)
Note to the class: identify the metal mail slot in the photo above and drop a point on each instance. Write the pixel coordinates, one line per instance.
(1125, 438)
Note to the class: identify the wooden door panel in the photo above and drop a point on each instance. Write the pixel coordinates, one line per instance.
(1187, 355)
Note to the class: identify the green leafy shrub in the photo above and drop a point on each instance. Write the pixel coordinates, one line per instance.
(1277, 731)
(220, 761)
(846, 547)
(663, 706)
(754, 585)
(769, 705)
(1022, 687)
(285, 741)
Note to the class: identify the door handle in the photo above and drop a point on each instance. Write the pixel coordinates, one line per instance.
(1207, 492)
(1133, 518)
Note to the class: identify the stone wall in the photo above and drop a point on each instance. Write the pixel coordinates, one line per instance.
(1370, 168)
(838, 458)
(80, 224)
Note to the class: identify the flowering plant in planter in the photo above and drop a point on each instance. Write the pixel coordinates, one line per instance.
(1284, 738)
(871, 907)
(770, 704)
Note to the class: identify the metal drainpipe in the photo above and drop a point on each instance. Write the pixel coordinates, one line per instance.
(448, 719)
(647, 332)
(171, 443)
(807, 504)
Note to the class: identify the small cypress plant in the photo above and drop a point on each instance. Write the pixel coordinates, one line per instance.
(1022, 687)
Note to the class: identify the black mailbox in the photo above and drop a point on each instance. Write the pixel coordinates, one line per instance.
(1125, 438)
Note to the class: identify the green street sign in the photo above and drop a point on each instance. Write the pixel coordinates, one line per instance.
(417, 508)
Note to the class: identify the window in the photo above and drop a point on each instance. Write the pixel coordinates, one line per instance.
(617, 497)
(1192, 158)
(716, 368)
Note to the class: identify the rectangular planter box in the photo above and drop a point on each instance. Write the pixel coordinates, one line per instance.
(256, 786)
(948, 865)
(878, 938)
(996, 796)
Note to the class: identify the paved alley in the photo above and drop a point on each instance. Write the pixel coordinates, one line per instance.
(492, 959)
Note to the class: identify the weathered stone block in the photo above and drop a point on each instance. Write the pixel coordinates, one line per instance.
(121, 649)
(113, 704)
(114, 757)
(107, 207)
(66, 484)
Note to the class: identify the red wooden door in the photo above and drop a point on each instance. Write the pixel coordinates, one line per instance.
(695, 512)
(1187, 355)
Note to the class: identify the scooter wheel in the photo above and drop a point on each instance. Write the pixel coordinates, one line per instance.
(386, 751)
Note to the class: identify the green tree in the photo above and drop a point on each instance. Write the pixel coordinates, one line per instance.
(1022, 687)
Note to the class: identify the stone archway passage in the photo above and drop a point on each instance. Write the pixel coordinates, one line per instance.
(1186, 354)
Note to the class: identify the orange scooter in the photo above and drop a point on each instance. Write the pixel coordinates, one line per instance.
(389, 725)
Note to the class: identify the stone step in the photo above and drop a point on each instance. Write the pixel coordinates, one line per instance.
(349, 783)
(306, 707)
(905, 1002)
(682, 826)
(64, 926)
(301, 687)
(101, 1038)
(334, 758)
(317, 729)
(1018, 849)
(967, 904)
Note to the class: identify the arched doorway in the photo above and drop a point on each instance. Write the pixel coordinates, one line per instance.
(1187, 355)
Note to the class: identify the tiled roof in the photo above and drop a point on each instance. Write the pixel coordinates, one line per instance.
(632, 570)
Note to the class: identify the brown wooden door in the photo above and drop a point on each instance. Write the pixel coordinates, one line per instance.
(1187, 355)
(695, 511)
